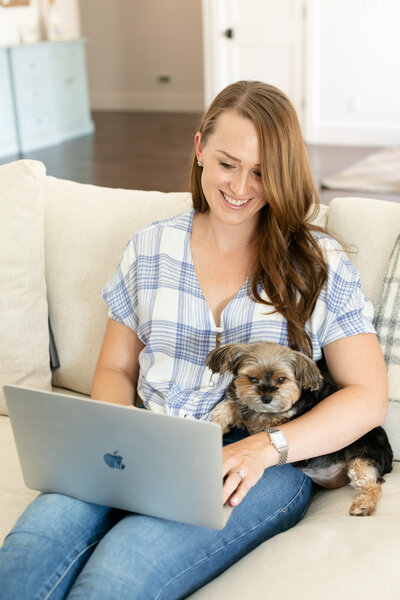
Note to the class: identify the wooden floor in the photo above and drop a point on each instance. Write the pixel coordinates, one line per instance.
(153, 151)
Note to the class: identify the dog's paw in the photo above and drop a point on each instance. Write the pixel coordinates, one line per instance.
(220, 416)
(362, 507)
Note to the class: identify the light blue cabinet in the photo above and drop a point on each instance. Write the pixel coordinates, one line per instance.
(50, 93)
(8, 130)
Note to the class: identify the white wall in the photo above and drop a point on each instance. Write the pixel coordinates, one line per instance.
(132, 42)
(353, 72)
(18, 22)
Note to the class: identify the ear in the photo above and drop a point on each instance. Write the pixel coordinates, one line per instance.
(307, 373)
(198, 146)
(227, 358)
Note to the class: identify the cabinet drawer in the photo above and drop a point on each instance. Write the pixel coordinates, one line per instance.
(72, 94)
(68, 59)
(30, 66)
(35, 97)
(37, 128)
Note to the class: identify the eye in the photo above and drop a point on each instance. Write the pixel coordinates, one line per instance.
(257, 174)
(252, 379)
(226, 165)
(281, 380)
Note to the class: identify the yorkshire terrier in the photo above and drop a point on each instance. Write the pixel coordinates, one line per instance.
(273, 384)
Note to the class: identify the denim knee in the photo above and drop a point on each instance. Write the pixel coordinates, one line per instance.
(48, 546)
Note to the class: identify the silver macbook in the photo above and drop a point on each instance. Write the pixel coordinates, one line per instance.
(119, 456)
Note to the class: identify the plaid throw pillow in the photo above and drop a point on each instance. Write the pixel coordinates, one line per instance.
(387, 323)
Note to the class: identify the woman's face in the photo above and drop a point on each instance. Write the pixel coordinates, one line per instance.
(231, 177)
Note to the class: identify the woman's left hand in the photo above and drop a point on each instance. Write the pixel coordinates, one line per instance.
(243, 464)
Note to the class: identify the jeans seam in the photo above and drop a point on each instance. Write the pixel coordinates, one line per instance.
(77, 557)
(236, 539)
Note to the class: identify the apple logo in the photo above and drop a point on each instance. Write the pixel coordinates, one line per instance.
(114, 460)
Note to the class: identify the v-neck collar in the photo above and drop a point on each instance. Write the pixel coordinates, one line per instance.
(238, 294)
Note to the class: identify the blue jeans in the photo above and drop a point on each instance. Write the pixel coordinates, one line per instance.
(64, 548)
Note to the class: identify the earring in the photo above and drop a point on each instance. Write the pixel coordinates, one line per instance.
(199, 163)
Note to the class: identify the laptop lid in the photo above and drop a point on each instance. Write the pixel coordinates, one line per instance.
(119, 456)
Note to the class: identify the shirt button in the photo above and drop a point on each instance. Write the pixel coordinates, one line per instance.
(211, 383)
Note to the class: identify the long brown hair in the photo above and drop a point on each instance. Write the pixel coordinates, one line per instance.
(289, 263)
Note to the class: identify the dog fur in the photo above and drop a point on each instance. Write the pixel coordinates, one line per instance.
(273, 384)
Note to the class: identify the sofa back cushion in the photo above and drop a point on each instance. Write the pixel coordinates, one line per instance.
(370, 227)
(373, 227)
(24, 335)
(86, 229)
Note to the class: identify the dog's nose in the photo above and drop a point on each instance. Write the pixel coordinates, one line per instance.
(266, 399)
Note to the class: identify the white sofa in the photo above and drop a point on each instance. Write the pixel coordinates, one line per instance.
(59, 243)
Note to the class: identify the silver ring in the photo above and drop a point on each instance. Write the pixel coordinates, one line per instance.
(241, 473)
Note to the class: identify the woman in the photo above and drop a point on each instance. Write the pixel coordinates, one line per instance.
(245, 265)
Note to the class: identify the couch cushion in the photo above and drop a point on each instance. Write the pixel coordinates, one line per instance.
(86, 230)
(370, 227)
(328, 555)
(24, 338)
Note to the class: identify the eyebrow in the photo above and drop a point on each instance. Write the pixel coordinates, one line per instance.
(233, 157)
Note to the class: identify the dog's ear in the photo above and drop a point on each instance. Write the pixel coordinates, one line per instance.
(226, 358)
(306, 371)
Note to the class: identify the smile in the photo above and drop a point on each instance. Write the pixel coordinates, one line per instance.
(233, 201)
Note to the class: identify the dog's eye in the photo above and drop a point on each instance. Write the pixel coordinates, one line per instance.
(281, 380)
(252, 379)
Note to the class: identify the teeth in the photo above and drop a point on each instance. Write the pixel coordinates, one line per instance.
(233, 201)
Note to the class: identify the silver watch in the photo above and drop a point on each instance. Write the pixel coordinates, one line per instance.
(279, 441)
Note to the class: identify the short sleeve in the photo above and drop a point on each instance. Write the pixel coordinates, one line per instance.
(121, 293)
(343, 309)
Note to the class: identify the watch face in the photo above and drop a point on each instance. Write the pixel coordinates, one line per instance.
(279, 439)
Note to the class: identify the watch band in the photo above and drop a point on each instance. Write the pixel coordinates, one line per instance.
(279, 441)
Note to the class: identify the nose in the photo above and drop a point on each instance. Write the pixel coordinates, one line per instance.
(266, 399)
(239, 185)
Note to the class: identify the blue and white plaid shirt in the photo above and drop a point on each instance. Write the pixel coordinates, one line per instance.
(155, 292)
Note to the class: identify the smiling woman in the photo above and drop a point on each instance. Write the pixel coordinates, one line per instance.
(251, 169)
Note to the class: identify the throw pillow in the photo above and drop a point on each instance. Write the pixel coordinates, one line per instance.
(24, 334)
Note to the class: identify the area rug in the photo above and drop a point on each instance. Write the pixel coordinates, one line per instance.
(378, 172)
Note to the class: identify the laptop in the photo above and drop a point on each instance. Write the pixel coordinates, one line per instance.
(125, 457)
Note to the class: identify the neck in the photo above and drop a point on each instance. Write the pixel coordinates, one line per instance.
(223, 237)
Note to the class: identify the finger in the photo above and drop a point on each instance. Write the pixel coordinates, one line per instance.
(231, 483)
(240, 492)
(229, 464)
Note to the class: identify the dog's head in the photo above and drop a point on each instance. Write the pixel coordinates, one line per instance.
(268, 377)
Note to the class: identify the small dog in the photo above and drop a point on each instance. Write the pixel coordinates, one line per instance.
(273, 384)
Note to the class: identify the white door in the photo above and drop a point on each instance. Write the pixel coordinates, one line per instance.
(254, 39)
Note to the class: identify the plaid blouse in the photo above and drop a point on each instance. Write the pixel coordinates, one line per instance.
(156, 293)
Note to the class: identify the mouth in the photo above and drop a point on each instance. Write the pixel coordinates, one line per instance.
(235, 202)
